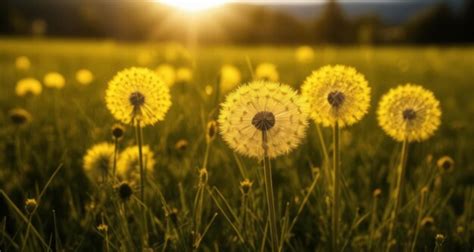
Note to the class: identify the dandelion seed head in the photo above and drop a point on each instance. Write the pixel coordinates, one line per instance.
(409, 112)
(337, 94)
(117, 131)
(28, 86)
(19, 116)
(267, 72)
(22, 63)
(261, 105)
(98, 161)
(304, 54)
(184, 75)
(124, 191)
(128, 164)
(54, 80)
(229, 77)
(167, 73)
(445, 164)
(84, 77)
(138, 93)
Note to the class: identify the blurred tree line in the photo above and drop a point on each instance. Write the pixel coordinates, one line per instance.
(144, 20)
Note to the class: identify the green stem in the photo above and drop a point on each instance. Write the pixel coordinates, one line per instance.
(397, 194)
(335, 204)
(114, 169)
(420, 215)
(139, 136)
(322, 143)
(372, 224)
(25, 239)
(267, 170)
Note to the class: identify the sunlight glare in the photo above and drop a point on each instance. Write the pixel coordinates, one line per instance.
(193, 5)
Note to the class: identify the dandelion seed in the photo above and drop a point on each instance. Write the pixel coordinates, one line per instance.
(28, 86)
(54, 80)
(267, 72)
(128, 166)
(445, 164)
(30, 205)
(124, 191)
(229, 77)
(184, 75)
(304, 54)
(22, 63)
(269, 106)
(19, 116)
(337, 94)
(84, 76)
(98, 161)
(167, 74)
(409, 112)
(138, 94)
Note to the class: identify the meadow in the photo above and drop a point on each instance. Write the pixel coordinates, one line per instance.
(189, 208)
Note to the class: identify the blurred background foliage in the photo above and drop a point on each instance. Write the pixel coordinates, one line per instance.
(433, 22)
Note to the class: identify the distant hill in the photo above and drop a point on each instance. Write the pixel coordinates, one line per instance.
(391, 12)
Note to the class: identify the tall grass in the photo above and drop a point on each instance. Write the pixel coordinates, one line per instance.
(194, 201)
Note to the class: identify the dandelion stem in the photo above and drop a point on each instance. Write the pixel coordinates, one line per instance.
(322, 143)
(269, 192)
(115, 158)
(139, 136)
(335, 204)
(397, 193)
(418, 221)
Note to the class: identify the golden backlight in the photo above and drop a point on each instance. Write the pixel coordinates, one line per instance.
(194, 5)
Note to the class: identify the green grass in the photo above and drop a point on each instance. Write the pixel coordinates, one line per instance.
(186, 207)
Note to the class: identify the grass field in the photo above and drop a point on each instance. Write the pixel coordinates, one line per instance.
(187, 209)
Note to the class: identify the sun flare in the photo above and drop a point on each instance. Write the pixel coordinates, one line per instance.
(193, 5)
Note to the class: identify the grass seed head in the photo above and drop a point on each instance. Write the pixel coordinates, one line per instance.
(103, 227)
(245, 186)
(211, 131)
(30, 205)
(181, 145)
